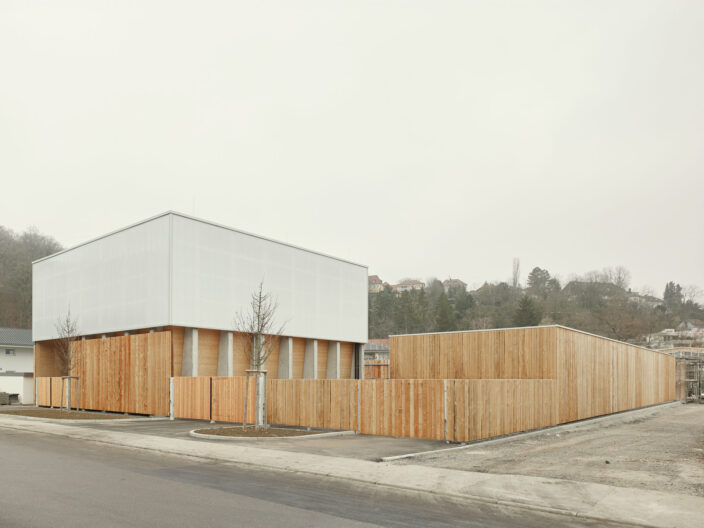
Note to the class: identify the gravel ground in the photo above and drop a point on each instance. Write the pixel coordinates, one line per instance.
(58, 414)
(661, 448)
(251, 432)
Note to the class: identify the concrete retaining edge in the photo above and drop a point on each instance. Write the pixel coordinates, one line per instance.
(71, 422)
(204, 436)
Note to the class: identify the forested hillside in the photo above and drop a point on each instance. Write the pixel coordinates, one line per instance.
(599, 302)
(17, 251)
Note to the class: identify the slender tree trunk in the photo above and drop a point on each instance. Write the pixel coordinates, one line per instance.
(246, 397)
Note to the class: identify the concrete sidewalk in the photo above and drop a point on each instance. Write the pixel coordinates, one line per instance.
(588, 500)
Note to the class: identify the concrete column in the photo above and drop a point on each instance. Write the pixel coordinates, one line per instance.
(285, 358)
(225, 350)
(190, 352)
(310, 359)
(333, 364)
(359, 348)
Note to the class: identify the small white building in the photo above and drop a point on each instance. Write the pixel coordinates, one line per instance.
(17, 363)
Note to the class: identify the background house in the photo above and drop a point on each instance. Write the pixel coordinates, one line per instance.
(408, 285)
(16, 363)
(452, 284)
(375, 284)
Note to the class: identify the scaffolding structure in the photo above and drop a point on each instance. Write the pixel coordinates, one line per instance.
(690, 374)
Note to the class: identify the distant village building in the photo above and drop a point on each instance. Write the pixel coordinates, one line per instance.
(376, 349)
(408, 285)
(686, 334)
(451, 284)
(375, 284)
(644, 300)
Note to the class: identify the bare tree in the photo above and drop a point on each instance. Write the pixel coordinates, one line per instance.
(67, 334)
(618, 276)
(516, 274)
(691, 293)
(259, 332)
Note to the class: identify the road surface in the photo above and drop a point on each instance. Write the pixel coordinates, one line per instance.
(50, 481)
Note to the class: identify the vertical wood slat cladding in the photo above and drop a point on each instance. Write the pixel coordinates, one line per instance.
(192, 397)
(176, 349)
(228, 399)
(271, 365)
(525, 353)
(208, 345)
(43, 391)
(590, 376)
(299, 351)
(346, 359)
(46, 363)
(329, 404)
(124, 373)
(376, 369)
(56, 392)
(480, 409)
(240, 358)
(598, 376)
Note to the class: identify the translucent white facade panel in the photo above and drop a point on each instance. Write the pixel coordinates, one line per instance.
(215, 271)
(181, 271)
(115, 283)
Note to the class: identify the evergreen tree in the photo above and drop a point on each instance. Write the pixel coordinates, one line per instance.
(672, 296)
(444, 315)
(527, 313)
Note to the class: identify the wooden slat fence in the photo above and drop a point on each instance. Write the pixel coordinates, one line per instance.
(328, 404)
(192, 397)
(453, 410)
(43, 391)
(376, 369)
(228, 399)
(125, 374)
(49, 392)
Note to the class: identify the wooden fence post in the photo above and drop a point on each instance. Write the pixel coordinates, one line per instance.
(171, 398)
(210, 397)
(358, 406)
(444, 405)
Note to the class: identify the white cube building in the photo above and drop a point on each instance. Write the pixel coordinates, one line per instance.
(191, 277)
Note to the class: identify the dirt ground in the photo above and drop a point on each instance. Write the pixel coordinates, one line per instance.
(58, 414)
(251, 432)
(661, 448)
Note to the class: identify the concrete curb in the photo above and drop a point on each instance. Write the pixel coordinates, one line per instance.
(72, 422)
(570, 426)
(582, 499)
(251, 439)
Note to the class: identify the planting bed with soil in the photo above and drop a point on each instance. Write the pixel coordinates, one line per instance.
(251, 432)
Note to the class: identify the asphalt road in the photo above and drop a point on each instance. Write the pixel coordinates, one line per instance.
(50, 481)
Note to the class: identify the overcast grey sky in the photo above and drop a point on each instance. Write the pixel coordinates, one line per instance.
(418, 137)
